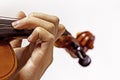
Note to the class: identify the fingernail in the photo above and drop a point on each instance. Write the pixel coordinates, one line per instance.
(14, 24)
(29, 38)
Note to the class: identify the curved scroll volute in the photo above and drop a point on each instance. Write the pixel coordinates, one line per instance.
(8, 61)
(86, 40)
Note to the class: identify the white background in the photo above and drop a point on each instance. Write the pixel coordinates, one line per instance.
(101, 17)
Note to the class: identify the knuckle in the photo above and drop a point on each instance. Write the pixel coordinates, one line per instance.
(27, 20)
(50, 25)
(38, 30)
(32, 14)
(62, 27)
(56, 19)
(51, 38)
(52, 29)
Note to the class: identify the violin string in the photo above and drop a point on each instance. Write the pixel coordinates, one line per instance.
(1, 25)
(6, 21)
(3, 17)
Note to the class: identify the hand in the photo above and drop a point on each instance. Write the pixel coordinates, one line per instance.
(35, 58)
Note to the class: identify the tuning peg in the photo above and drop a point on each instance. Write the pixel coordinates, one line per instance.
(85, 61)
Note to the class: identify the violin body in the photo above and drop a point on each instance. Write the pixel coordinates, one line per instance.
(76, 47)
(8, 60)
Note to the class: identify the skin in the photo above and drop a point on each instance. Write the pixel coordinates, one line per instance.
(35, 58)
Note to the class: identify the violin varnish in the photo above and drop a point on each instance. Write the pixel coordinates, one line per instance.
(8, 61)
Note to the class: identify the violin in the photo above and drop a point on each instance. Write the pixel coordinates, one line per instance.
(76, 47)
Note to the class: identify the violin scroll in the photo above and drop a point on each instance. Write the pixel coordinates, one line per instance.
(86, 40)
(77, 47)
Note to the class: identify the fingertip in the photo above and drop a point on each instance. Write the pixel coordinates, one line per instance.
(20, 15)
(33, 37)
(62, 28)
(30, 39)
(14, 24)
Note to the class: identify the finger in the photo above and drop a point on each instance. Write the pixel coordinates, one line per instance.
(49, 18)
(46, 17)
(32, 22)
(41, 34)
(61, 30)
(17, 42)
(44, 47)
(21, 15)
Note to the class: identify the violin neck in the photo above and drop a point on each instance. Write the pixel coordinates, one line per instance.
(7, 31)
(10, 32)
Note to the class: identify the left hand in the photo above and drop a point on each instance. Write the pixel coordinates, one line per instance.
(34, 59)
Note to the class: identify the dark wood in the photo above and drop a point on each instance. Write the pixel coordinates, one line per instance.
(7, 31)
(8, 60)
(77, 47)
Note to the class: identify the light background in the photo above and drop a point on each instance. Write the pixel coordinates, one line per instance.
(101, 17)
